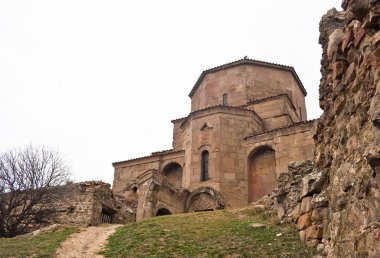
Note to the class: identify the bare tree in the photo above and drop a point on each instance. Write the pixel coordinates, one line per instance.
(28, 186)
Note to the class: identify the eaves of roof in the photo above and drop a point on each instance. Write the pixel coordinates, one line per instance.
(178, 120)
(281, 128)
(246, 61)
(215, 107)
(154, 154)
(256, 101)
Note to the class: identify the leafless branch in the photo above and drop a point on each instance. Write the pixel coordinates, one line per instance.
(28, 185)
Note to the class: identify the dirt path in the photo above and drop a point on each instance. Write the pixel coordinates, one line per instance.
(86, 243)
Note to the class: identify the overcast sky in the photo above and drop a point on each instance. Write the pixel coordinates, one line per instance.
(101, 80)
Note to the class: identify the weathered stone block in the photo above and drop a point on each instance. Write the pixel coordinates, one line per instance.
(314, 232)
(313, 183)
(312, 243)
(306, 205)
(297, 212)
(319, 214)
(319, 200)
(302, 235)
(347, 38)
(333, 43)
(280, 212)
(359, 37)
(350, 74)
(304, 221)
(338, 69)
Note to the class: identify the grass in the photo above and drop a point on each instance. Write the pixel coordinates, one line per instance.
(42, 245)
(226, 233)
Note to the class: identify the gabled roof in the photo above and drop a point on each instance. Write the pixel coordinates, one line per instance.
(247, 61)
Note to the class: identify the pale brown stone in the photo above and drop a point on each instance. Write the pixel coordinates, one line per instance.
(312, 243)
(314, 232)
(350, 74)
(306, 205)
(302, 235)
(280, 212)
(297, 212)
(338, 69)
(304, 221)
(319, 214)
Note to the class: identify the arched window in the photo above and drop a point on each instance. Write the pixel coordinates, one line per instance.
(204, 166)
(173, 173)
(225, 99)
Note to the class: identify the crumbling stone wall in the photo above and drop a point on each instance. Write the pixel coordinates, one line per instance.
(335, 202)
(301, 198)
(83, 204)
(348, 133)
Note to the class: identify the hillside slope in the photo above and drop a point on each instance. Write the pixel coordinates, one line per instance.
(225, 233)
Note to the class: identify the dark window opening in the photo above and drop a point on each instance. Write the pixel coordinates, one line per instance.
(163, 212)
(107, 216)
(204, 166)
(225, 99)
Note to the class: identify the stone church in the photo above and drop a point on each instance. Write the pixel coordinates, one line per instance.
(247, 122)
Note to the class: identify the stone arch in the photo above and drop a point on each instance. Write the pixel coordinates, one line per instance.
(173, 173)
(261, 172)
(133, 187)
(204, 199)
(131, 192)
(163, 212)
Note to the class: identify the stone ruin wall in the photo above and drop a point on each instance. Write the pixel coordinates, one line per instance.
(335, 199)
(348, 135)
(83, 204)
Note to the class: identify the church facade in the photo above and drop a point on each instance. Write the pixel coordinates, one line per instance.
(247, 122)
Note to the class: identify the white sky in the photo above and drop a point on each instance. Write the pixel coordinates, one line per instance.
(101, 80)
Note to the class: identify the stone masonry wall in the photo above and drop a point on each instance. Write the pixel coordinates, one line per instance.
(293, 143)
(301, 198)
(245, 83)
(348, 133)
(335, 202)
(83, 203)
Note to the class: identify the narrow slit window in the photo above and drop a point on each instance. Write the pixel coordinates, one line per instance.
(204, 166)
(225, 99)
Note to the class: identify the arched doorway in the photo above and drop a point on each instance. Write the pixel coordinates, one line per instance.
(173, 173)
(202, 202)
(261, 173)
(204, 199)
(163, 212)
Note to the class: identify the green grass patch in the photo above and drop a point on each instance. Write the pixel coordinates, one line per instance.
(226, 233)
(42, 245)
